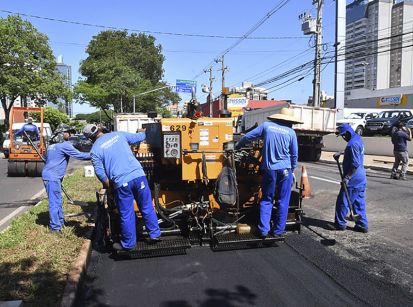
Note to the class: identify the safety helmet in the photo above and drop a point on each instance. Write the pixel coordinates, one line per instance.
(90, 131)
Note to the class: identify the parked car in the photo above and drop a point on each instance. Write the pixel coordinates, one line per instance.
(386, 122)
(409, 124)
(80, 142)
(357, 120)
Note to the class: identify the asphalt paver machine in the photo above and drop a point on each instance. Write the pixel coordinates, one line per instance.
(188, 161)
(24, 160)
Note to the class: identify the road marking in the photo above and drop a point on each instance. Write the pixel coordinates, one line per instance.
(19, 209)
(327, 180)
(13, 214)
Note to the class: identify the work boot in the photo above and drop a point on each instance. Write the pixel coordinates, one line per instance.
(118, 247)
(393, 176)
(153, 240)
(57, 232)
(360, 229)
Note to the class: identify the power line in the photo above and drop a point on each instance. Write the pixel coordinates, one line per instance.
(151, 32)
(275, 9)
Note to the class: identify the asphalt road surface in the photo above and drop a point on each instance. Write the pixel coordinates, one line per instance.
(17, 194)
(319, 267)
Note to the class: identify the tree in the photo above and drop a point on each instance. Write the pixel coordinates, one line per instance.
(52, 116)
(96, 117)
(27, 65)
(120, 66)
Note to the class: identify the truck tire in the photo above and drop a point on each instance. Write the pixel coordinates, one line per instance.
(359, 130)
(315, 154)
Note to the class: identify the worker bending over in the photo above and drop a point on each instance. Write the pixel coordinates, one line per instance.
(280, 154)
(57, 158)
(355, 179)
(116, 165)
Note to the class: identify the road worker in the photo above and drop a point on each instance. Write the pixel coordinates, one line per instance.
(354, 176)
(401, 155)
(57, 158)
(280, 155)
(115, 165)
(30, 129)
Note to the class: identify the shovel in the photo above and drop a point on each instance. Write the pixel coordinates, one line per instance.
(353, 217)
(70, 199)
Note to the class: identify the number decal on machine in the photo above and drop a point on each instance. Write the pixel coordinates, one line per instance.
(171, 145)
(178, 128)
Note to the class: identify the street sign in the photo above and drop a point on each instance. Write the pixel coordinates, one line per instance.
(185, 86)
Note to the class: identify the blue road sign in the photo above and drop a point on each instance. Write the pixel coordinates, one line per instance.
(185, 86)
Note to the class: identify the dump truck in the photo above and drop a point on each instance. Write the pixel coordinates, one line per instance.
(131, 122)
(317, 122)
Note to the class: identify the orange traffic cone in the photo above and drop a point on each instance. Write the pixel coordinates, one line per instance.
(304, 183)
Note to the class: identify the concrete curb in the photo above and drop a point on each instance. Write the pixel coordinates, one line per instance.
(76, 274)
(377, 168)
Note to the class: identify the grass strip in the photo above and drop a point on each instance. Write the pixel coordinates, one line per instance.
(33, 262)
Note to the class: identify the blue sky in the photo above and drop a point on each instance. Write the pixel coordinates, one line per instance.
(187, 56)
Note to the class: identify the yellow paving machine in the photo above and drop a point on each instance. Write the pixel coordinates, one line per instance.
(204, 192)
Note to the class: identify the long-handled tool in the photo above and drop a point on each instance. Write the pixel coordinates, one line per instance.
(70, 199)
(354, 217)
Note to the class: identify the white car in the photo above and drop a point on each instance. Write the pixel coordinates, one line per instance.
(357, 120)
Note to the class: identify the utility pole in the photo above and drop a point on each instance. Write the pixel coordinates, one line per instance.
(211, 79)
(223, 69)
(134, 102)
(317, 58)
(121, 105)
(339, 86)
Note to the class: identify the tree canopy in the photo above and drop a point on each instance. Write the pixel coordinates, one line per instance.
(27, 65)
(120, 66)
(52, 116)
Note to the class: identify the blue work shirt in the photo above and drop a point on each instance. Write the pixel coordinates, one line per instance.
(57, 158)
(354, 157)
(280, 145)
(113, 159)
(399, 140)
(29, 128)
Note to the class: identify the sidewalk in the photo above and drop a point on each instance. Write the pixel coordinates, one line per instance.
(370, 161)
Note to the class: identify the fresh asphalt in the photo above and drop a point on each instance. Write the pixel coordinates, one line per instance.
(17, 194)
(318, 267)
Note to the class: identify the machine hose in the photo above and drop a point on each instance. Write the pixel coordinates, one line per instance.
(159, 207)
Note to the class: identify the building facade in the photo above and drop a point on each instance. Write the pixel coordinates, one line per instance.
(379, 49)
(66, 72)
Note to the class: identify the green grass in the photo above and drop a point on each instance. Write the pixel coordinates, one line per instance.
(33, 262)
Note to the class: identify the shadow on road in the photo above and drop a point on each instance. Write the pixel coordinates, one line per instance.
(17, 204)
(220, 297)
(311, 222)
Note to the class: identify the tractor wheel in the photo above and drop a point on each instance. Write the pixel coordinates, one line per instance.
(31, 169)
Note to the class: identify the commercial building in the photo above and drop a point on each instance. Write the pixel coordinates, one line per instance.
(379, 54)
(66, 71)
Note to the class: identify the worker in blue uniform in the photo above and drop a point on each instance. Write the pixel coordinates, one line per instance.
(57, 157)
(115, 165)
(355, 179)
(279, 159)
(30, 129)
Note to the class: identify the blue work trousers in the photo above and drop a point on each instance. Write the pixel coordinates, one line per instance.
(137, 189)
(54, 193)
(272, 179)
(357, 198)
